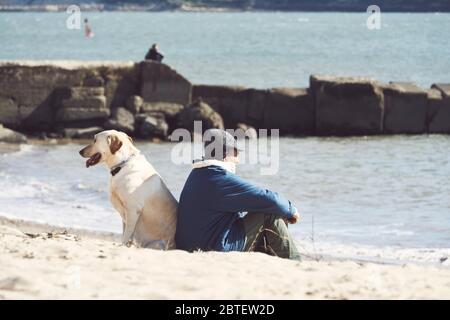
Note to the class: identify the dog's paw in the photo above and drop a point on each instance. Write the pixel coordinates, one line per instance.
(127, 243)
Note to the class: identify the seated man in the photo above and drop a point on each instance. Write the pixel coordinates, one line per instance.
(211, 212)
(154, 53)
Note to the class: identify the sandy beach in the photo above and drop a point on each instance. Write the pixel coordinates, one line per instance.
(41, 262)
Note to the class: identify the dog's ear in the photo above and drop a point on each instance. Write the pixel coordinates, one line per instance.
(129, 138)
(114, 143)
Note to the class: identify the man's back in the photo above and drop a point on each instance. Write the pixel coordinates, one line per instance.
(210, 205)
(201, 222)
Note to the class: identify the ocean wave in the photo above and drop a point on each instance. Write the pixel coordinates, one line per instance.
(380, 254)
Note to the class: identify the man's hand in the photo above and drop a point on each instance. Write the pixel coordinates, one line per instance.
(295, 218)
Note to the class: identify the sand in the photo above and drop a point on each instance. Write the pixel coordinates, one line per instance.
(41, 262)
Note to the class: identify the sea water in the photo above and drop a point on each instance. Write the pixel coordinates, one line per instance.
(253, 49)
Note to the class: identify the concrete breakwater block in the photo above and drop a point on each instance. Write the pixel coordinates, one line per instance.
(134, 104)
(170, 110)
(229, 101)
(288, 109)
(80, 93)
(31, 88)
(120, 83)
(78, 114)
(160, 83)
(83, 104)
(92, 102)
(152, 126)
(81, 133)
(93, 81)
(438, 116)
(121, 119)
(50, 96)
(347, 105)
(405, 107)
(31, 92)
(9, 111)
(199, 111)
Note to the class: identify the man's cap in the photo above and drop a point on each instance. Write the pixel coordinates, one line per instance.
(218, 143)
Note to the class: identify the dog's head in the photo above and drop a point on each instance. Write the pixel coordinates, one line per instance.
(105, 147)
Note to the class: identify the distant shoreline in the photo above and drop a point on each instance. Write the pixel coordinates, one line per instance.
(197, 9)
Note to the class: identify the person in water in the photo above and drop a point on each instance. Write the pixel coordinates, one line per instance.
(87, 29)
(154, 53)
(220, 211)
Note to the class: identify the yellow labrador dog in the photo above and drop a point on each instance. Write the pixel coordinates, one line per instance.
(137, 192)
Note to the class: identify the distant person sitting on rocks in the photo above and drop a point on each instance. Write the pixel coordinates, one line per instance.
(154, 53)
(87, 29)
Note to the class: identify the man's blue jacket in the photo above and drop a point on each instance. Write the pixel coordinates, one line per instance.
(211, 203)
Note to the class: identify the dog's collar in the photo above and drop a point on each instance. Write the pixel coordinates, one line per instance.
(115, 169)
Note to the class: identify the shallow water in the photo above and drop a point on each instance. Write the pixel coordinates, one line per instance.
(254, 49)
(360, 196)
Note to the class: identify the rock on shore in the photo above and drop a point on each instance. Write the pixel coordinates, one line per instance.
(10, 136)
(200, 111)
(405, 108)
(347, 106)
(438, 116)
